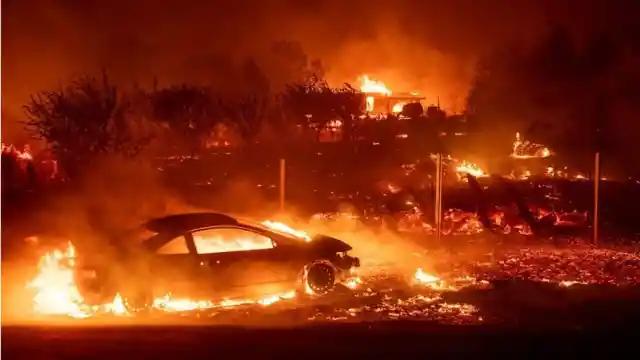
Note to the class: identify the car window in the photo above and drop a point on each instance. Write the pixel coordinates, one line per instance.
(211, 241)
(174, 247)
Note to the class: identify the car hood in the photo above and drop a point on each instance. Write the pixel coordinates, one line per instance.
(331, 244)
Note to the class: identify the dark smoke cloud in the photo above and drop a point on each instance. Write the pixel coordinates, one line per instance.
(422, 45)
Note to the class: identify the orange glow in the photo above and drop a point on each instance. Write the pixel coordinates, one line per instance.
(56, 292)
(527, 150)
(397, 108)
(278, 226)
(429, 280)
(465, 167)
(22, 155)
(373, 87)
(369, 86)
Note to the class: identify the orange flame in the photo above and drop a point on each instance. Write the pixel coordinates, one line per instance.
(397, 108)
(527, 150)
(373, 86)
(465, 167)
(369, 86)
(56, 292)
(278, 226)
(22, 155)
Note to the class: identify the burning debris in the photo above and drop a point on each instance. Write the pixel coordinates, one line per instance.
(378, 296)
(526, 150)
(465, 167)
(11, 150)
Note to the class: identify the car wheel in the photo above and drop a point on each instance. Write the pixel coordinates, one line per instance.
(137, 302)
(95, 289)
(319, 278)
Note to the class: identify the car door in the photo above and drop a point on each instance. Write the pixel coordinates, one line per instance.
(236, 257)
(175, 269)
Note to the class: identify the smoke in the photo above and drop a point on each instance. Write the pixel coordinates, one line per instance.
(429, 46)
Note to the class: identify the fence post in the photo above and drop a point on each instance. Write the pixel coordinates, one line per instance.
(282, 183)
(438, 194)
(596, 198)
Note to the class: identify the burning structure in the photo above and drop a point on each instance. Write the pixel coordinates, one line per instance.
(379, 99)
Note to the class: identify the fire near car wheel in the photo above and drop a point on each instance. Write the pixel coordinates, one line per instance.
(137, 302)
(94, 286)
(320, 278)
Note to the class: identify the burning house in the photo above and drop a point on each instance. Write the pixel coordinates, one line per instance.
(380, 100)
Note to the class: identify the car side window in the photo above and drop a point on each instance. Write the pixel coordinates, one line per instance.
(174, 247)
(220, 240)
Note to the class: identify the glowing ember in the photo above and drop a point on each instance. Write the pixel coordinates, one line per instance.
(527, 150)
(278, 226)
(425, 278)
(169, 304)
(429, 280)
(352, 283)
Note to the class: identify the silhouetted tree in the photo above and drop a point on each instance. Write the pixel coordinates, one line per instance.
(189, 113)
(246, 113)
(86, 119)
(293, 65)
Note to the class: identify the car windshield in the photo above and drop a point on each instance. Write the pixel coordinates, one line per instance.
(279, 228)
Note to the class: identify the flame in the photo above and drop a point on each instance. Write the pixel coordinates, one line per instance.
(369, 86)
(278, 226)
(353, 283)
(436, 283)
(25, 154)
(429, 280)
(373, 87)
(397, 108)
(527, 150)
(56, 292)
(169, 304)
(465, 167)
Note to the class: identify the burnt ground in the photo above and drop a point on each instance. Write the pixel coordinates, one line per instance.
(516, 305)
(376, 340)
(518, 300)
(512, 318)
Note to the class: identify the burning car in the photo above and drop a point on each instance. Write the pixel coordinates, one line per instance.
(213, 256)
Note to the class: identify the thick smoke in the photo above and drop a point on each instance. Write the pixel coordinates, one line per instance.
(429, 46)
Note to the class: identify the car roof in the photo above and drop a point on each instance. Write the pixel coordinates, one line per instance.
(186, 222)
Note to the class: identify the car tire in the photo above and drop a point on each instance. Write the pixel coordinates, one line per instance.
(319, 278)
(137, 302)
(95, 291)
